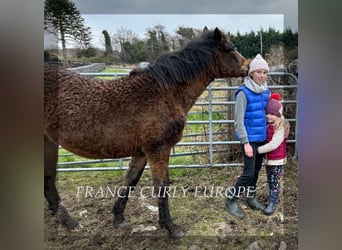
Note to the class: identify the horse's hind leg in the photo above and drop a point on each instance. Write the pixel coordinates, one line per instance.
(159, 169)
(50, 161)
(50, 190)
(136, 168)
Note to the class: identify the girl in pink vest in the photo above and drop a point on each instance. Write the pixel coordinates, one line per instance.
(274, 149)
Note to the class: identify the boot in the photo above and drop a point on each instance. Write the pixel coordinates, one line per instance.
(271, 204)
(253, 202)
(233, 207)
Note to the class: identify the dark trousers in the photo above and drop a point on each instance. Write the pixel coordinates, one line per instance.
(252, 165)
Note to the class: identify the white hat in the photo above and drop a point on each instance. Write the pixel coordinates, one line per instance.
(258, 63)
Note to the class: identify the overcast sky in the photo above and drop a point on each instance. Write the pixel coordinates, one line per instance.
(228, 15)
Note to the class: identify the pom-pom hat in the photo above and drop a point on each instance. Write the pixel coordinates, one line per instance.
(258, 63)
(274, 106)
(275, 96)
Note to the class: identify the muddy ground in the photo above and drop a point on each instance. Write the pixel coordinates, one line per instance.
(200, 212)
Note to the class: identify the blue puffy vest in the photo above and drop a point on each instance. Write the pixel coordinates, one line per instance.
(255, 116)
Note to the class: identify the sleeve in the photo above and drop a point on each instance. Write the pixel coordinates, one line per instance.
(276, 140)
(240, 109)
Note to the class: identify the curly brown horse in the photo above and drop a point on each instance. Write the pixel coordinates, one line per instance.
(141, 115)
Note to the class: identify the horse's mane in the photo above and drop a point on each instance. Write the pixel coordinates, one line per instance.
(184, 65)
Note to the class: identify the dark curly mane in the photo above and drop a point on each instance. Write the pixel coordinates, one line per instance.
(184, 65)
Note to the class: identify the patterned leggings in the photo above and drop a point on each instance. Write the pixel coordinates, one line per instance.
(273, 177)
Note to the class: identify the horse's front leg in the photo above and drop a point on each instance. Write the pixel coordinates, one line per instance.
(136, 168)
(159, 169)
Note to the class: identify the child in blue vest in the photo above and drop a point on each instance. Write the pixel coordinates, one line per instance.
(250, 127)
(274, 149)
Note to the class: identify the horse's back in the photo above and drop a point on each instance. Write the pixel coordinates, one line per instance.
(97, 118)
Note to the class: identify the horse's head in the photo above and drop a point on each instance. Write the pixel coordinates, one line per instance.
(229, 62)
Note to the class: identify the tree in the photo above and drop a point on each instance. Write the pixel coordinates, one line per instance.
(186, 34)
(63, 17)
(157, 42)
(89, 52)
(290, 40)
(108, 43)
(121, 37)
(134, 52)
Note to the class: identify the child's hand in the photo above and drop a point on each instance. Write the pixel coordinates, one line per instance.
(287, 129)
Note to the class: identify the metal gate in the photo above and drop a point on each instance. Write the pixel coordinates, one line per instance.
(208, 139)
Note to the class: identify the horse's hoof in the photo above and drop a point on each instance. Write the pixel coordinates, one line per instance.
(65, 219)
(120, 225)
(176, 232)
(71, 223)
(177, 235)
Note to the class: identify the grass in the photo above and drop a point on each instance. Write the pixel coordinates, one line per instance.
(111, 70)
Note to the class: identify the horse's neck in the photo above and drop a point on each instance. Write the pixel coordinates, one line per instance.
(192, 92)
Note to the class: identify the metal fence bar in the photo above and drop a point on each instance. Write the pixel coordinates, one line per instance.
(212, 101)
(210, 126)
(148, 167)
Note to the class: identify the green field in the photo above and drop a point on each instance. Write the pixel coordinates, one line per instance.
(111, 70)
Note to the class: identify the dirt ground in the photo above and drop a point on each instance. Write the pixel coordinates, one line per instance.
(196, 204)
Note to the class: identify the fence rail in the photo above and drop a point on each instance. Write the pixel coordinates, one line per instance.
(208, 142)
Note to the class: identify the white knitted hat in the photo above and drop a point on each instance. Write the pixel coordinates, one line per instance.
(258, 63)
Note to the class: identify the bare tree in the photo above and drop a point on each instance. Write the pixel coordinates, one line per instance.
(158, 41)
(122, 37)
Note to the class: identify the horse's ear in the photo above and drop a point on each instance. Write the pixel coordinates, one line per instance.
(205, 29)
(217, 34)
